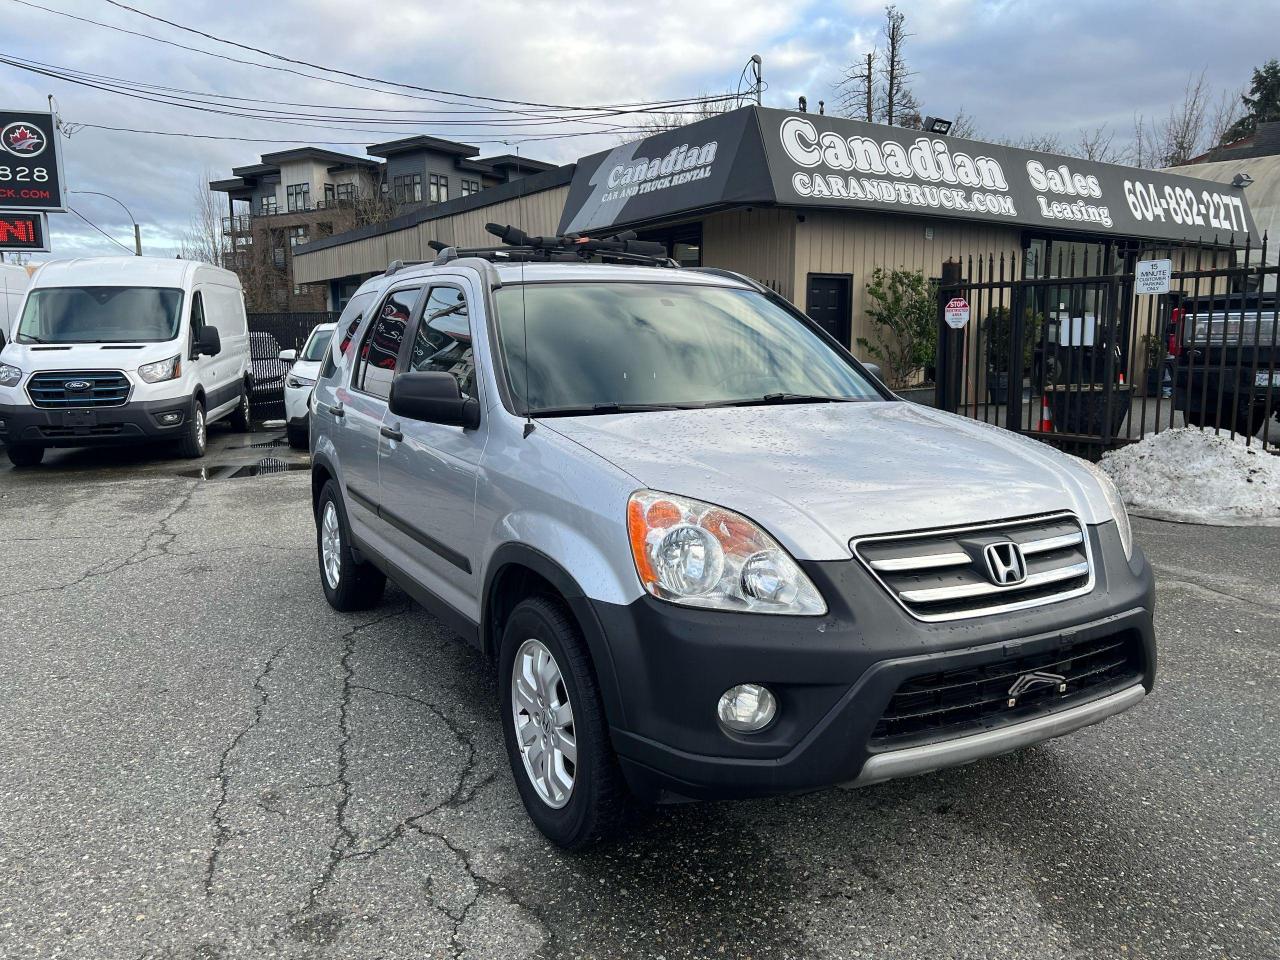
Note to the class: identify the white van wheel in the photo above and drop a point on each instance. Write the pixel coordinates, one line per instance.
(195, 436)
(242, 419)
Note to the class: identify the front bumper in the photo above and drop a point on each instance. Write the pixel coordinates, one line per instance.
(664, 667)
(133, 422)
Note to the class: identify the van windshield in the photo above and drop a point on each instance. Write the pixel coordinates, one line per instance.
(605, 347)
(100, 315)
(317, 345)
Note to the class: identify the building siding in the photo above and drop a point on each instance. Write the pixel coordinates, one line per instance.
(537, 213)
(759, 242)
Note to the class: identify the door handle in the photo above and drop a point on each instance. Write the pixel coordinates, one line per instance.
(335, 410)
(391, 433)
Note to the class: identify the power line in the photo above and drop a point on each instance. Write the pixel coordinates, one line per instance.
(127, 250)
(657, 104)
(357, 76)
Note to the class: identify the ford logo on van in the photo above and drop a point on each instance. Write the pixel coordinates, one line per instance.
(78, 386)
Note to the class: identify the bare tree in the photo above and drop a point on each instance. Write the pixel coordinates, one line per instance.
(964, 126)
(1225, 115)
(203, 238)
(1176, 138)
(662, 121)
(856, 90)
(898, 105)
(1097, 143)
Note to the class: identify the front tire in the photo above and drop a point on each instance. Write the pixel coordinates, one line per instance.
(195, 435)
(348, 584)
(25, 455)
(555, 730)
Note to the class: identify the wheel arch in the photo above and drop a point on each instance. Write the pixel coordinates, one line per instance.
(516, 571)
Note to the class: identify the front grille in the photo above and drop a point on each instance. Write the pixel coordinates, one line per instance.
(107, 388)
(944, 575)
(953, 703)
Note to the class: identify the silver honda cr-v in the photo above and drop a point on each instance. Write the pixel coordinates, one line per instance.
(710, 553)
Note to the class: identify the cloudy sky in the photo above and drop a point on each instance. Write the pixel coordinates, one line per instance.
(1017, 67)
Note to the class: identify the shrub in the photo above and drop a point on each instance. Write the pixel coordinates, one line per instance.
(904, 316)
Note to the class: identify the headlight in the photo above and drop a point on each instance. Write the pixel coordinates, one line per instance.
(701, 555)
(297, 383)
(161, 370)
(9, 376)
(1116, 503)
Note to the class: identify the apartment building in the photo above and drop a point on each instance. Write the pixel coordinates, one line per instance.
(292, 197)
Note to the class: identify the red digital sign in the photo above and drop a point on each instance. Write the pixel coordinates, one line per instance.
(23, 232)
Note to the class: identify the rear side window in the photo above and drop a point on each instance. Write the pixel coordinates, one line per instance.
(376, 363)
(443, 338)
(351, 317)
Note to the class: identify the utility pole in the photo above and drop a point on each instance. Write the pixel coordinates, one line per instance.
(757, 68)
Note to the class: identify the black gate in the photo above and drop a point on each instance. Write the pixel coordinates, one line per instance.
(269, 333)
(1063, 345)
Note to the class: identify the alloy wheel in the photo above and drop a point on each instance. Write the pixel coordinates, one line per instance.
(331, 545)
(544, 726)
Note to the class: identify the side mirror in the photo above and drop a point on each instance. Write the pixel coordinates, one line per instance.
(289, 356)
(210, 342)
(874, 370)
(433, 397)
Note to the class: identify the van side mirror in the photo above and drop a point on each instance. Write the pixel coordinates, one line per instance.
(289, 356)
(433, 397)
(209, 343)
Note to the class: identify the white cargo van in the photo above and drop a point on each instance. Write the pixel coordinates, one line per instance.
(13, 284)
(124, 349)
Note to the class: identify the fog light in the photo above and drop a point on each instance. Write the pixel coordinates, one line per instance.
(169, 419)
(747, 708)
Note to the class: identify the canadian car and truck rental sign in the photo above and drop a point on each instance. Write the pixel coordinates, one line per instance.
(31, 182)
(763, 156)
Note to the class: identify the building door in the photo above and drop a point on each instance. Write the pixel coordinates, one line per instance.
(830, 304)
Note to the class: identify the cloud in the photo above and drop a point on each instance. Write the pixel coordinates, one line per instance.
(1017, 67)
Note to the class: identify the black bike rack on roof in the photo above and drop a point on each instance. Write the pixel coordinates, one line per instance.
(522, 248)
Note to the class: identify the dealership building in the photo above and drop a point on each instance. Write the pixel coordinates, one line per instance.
(810, 205)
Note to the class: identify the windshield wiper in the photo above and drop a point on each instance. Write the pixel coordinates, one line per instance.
(770, 399)
(587, 410)
(30, 338)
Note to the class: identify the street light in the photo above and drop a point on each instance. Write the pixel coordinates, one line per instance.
(137, 233)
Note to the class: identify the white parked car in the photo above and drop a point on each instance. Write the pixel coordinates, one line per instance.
(301, 380)
(114, 350)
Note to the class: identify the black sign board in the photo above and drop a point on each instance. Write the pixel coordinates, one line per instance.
(756, 155)
(30, 163)
(24, 233)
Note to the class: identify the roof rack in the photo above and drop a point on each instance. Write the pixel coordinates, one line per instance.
(522, 248)
(395, 266)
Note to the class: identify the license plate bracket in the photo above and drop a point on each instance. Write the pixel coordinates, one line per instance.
(80, 418)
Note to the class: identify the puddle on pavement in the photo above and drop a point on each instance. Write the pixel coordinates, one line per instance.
(233, 471)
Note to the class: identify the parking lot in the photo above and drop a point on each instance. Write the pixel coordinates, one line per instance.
(203, 760)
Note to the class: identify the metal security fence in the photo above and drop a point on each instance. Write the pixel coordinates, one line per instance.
(269, 333)
(1064, 344)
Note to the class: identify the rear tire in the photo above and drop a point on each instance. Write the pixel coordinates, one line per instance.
(25, 455)
(596, 803)
(242, 420)
(348, 584)
(195, 436)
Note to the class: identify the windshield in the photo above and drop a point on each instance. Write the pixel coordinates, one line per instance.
(317, 345)
(615, 345)
(100, 315)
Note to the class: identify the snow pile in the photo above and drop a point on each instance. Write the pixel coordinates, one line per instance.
(1198, 476)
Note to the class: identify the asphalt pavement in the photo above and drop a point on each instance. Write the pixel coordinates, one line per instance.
(202, 760)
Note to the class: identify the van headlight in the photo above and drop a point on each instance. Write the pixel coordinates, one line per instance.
(161, 370)
(1116, 503)
(701, 555)
(9, 376)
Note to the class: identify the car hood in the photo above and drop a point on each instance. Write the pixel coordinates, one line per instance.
(818, 475)
(33, 357)
(309, 369)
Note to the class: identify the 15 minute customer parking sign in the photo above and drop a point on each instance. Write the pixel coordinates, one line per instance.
(30, 162)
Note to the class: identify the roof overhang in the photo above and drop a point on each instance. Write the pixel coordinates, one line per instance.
(421, 142)
(756, 156)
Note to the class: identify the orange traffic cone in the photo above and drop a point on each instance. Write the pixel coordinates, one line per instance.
(1046, 415)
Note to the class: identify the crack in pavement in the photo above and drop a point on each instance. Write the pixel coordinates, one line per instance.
(345, 837)
(108, 567)
(1182, 577)
(222, 832)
